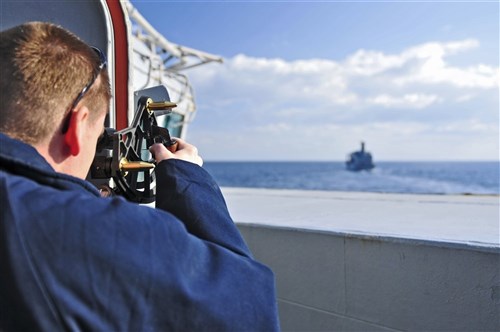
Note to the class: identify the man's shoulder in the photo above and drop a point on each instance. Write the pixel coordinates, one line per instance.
(31, 200)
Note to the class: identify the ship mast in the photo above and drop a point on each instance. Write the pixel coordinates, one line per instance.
(157, 61)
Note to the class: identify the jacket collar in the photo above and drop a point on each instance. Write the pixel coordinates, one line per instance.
(22, 159)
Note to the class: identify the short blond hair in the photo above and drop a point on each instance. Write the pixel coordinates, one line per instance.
(43, 69)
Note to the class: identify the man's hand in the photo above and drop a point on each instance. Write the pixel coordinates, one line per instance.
(185, 151)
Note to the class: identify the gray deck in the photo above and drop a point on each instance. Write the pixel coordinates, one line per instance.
(376, 262)
(460, 219)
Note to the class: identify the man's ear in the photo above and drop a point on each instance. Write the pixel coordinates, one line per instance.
(75, 135)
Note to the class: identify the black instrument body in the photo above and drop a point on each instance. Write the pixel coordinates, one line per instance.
(124, 156)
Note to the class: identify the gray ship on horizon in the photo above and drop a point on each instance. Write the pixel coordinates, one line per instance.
(360, 160)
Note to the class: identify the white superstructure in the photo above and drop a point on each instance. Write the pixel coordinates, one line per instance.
(158, 61)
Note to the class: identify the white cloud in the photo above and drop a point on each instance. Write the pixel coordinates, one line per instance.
(368, 63)
(470, 126)
(433, 69)
(465, 98)
(416, 94)
(274, 128)
(413, 100)
(386, 140)
(365, 78)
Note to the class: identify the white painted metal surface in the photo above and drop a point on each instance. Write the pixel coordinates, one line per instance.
(157, 61)
(348, 261)
(466, 220)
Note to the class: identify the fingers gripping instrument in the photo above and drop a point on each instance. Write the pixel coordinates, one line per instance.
(126, 156)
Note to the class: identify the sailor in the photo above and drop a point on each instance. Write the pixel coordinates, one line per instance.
(72, 260)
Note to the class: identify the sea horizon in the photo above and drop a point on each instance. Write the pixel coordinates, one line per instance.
(342, 161)
(412, 177)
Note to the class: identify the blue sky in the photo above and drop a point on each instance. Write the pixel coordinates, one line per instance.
(310, 80)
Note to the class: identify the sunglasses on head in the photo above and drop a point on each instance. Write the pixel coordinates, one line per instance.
(102, 64)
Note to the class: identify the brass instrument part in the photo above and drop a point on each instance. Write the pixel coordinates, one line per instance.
(126, 165)
(159, 105)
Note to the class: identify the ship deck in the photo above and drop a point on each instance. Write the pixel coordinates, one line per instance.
(467, 220)
(349, 261)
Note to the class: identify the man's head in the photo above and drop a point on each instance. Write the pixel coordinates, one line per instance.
(44, 70)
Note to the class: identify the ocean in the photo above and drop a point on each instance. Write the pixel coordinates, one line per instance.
(387, 177)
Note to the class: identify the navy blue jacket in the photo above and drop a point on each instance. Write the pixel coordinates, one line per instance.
(71, 260)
